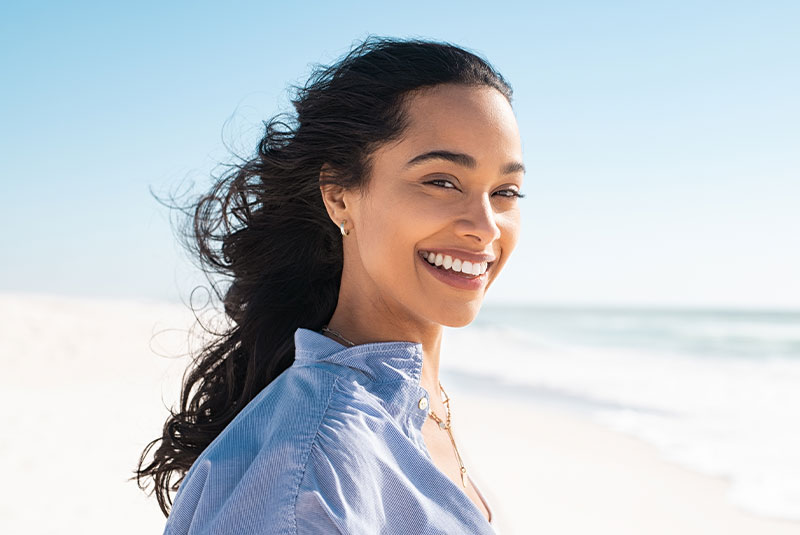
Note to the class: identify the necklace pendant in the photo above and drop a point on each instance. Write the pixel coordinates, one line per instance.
(464, 476)
(442, 425)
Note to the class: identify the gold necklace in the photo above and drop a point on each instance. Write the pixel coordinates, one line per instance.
(442, 424)
(446, 426)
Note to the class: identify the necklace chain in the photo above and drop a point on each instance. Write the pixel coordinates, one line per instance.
(445, 425)
(448, 427)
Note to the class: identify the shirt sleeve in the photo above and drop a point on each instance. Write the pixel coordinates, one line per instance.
(313, 516)
(216, 499)
(342, 485)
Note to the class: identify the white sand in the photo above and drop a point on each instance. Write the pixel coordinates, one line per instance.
(82, 387)
(544, 470)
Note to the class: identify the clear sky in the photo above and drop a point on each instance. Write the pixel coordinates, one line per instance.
(662, 139)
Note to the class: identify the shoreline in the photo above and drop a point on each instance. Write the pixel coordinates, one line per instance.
(80, 368)
(560, 473)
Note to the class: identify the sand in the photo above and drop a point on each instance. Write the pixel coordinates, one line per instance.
(546, 470)
(82, 387)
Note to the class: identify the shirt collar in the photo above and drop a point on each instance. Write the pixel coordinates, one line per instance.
(380, 361)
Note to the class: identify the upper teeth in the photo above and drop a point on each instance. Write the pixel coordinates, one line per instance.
(455, 264)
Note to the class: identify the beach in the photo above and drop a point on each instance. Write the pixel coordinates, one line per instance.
(545, 470)
(87, 383)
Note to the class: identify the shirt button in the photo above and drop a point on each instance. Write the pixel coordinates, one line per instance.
(423, 403)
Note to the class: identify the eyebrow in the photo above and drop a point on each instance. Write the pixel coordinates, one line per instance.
(459, 158)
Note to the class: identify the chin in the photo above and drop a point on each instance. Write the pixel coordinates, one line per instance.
(460, 316)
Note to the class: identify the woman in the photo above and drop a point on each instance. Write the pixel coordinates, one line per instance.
(378, 215)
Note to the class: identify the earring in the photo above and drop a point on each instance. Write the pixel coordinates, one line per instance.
(341, 228)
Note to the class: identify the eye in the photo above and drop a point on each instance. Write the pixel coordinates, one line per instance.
(442, 183)
(510, 193)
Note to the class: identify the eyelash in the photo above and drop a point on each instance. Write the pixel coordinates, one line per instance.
(516, 193)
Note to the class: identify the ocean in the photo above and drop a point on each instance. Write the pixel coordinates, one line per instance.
(716, 391)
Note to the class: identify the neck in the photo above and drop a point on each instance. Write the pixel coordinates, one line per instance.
(363, 323)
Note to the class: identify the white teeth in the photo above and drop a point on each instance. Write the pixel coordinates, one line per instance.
(448, 262)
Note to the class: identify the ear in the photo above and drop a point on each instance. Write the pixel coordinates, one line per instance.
(334, 198)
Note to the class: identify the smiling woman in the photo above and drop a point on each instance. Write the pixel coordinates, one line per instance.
(378, 215)
(453, 200)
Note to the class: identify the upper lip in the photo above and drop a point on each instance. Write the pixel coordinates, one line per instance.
(462, 254)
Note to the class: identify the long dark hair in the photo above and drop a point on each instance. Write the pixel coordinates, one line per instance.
(264, 229)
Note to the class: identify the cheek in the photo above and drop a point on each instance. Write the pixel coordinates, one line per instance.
(510, 225)
(385, 241)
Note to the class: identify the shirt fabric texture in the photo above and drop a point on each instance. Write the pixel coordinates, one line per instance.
(333, 445)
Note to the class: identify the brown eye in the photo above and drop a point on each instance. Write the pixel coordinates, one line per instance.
(442, 183)
(511, 193)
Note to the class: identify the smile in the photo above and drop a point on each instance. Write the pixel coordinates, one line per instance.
(456, 265)
(460, 279)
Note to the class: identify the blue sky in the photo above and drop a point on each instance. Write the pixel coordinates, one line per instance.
(661, 139)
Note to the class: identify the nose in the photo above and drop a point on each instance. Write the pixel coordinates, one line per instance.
(479, 220)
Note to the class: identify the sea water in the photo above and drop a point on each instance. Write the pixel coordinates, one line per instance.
(717, 391)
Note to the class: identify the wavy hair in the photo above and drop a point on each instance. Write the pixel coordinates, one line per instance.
(264, 229)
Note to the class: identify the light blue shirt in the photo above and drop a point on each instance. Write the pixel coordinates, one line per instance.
(333, 445)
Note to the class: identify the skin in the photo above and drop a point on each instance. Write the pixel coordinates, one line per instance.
(386, 293)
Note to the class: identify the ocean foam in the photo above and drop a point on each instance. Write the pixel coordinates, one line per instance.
(733, 416)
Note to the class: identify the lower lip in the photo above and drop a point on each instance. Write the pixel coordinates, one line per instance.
(456, 281)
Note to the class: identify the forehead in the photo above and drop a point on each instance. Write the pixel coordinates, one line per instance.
(476, 120)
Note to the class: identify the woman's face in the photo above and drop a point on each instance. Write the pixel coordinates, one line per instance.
(446, 192)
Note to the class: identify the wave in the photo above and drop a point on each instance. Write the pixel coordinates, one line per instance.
(730, 414)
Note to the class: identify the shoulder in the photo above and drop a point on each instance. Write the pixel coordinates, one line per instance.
(247, 480)
(361, 462)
